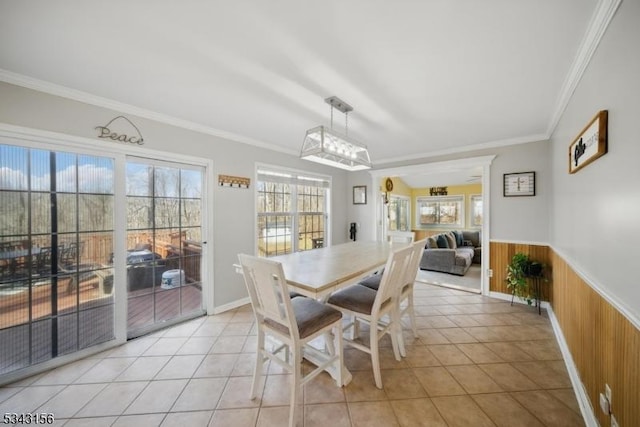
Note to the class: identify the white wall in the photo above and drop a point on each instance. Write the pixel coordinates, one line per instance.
(595, 213)
(234, 209)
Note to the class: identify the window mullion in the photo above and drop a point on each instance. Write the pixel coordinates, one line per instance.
(294, 219)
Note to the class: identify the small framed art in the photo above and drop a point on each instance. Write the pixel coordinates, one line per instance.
(519, 184)
(360, 195)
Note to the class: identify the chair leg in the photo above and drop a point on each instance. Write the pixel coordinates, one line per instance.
(375, 355)
(395, 332)
(328, 343)
(257, 369)
(296, 389)
(412, 316)
(339, 352)
(356, 327)
(398, 331)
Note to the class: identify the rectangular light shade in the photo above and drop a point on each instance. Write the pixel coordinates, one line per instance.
(326, 146)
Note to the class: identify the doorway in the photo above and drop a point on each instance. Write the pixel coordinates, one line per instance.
(446, 168)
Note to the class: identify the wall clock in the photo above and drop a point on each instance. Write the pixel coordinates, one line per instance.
(388, 184)
(519, 184)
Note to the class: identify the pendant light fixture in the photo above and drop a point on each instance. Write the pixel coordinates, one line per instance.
(326, 146)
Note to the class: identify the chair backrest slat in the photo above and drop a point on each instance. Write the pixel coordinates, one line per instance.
(394, 275)
(268, 291)
(416, 256)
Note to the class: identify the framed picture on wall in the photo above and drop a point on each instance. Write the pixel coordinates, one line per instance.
(591, 144)
(360, 195)
(519, 184)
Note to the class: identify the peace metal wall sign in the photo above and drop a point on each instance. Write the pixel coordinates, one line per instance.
(121, 129)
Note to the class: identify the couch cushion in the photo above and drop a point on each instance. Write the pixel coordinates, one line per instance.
(432, 243)
(451, 240)
(473, 236)
(443, 243)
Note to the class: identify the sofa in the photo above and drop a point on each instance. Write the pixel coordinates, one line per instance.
(452, 252)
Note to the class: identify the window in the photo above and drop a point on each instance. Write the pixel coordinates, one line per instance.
(292, 211)
(440, 210)
(399, 214)
(476, 210)
(56, 237)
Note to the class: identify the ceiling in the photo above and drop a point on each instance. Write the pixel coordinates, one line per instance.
(424, 77)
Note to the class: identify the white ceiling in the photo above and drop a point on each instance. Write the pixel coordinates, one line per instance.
(424, 77)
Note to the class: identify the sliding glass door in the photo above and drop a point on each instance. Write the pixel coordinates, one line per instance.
(56, 245)
(164, 243)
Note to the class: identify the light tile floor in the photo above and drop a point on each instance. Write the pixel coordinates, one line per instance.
(477, 362)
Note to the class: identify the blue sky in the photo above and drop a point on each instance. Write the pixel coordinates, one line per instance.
(92, 174)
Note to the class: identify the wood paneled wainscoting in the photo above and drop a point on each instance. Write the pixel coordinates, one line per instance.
(604, 344)
(501, 254)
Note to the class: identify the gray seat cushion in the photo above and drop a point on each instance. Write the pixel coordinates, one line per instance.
(372, 282)
(311, 316)
(355, 298)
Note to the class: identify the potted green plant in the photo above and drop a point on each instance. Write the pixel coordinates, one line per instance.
(519, 269)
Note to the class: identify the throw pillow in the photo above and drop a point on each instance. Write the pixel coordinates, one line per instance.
(442, 241)
(432, 243)
(459, 238)
(451, 240)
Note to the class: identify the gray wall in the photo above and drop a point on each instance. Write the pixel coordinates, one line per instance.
(595, 213)
(519, 219)
(234, 209)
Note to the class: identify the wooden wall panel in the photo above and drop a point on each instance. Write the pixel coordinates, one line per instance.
(501, 254)
(604, 344)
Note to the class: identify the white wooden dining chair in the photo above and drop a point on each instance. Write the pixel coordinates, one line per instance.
(377, 308)
(405, 300)
(294, 322)
(405, 291)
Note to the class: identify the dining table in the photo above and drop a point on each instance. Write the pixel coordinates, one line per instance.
(318, 272)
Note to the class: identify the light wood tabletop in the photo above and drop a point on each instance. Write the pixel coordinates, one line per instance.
(318, 272)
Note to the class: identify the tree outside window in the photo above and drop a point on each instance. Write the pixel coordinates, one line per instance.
(291, 212)
(476, 210)
(399, 213)
(441, 211)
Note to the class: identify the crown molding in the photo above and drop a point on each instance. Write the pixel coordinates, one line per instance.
(468, 148)
(98, 101)
(600, 20)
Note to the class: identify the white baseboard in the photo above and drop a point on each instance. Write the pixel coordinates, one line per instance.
(231, 305)
(578, 388)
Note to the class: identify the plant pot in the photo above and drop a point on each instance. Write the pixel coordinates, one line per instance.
(533, 269)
